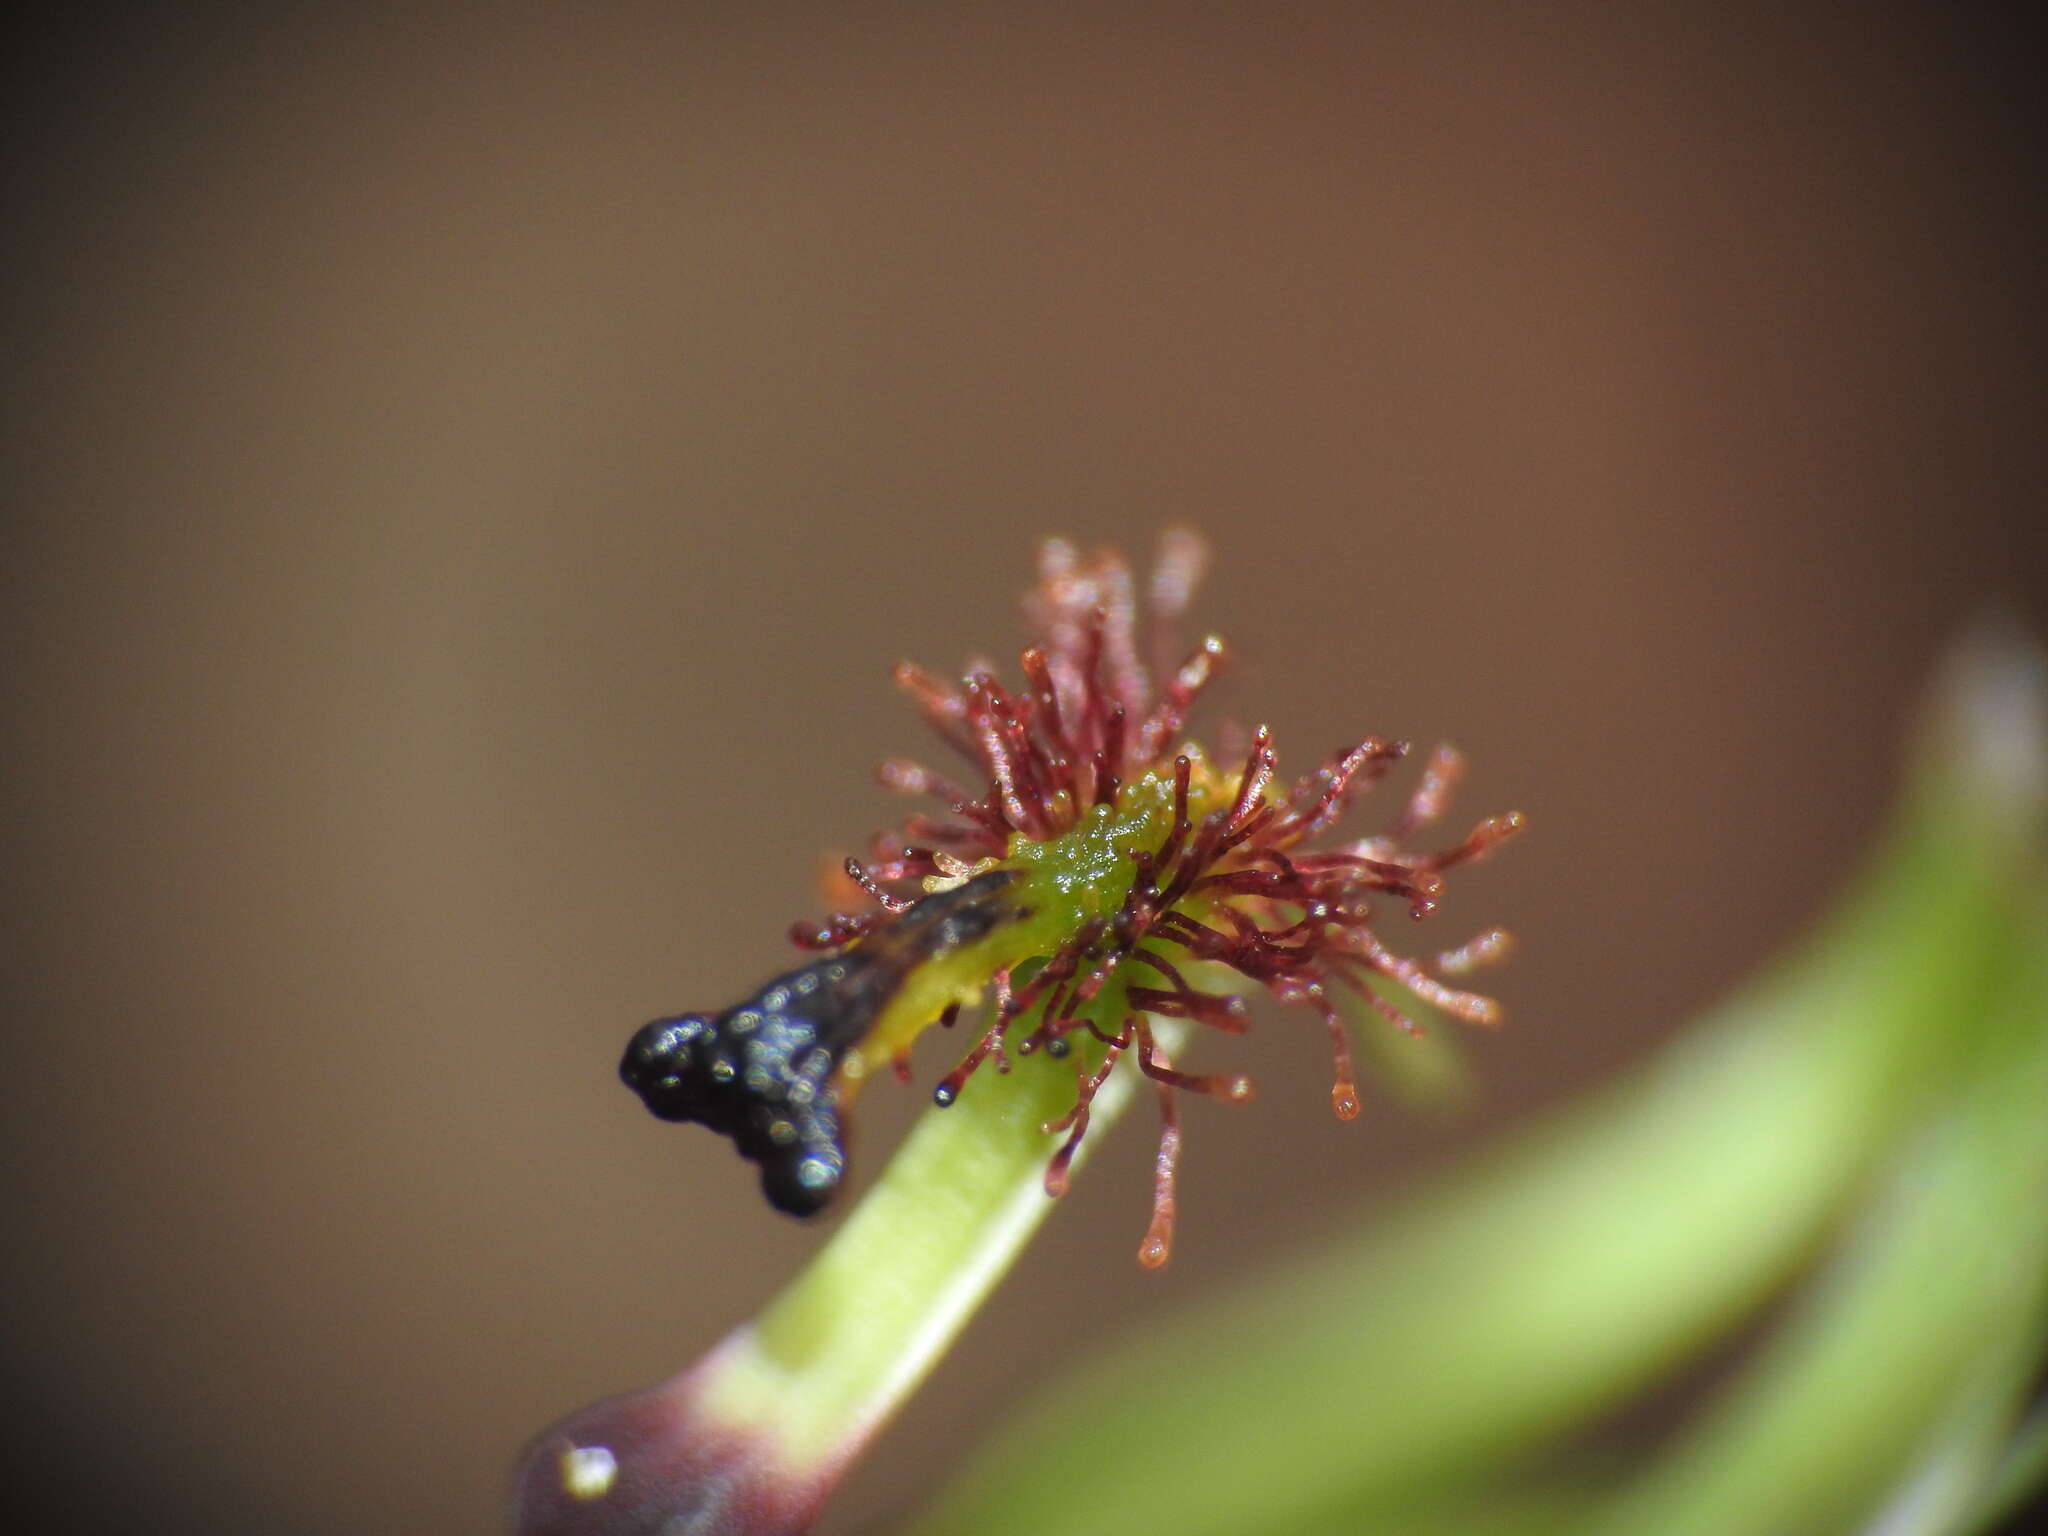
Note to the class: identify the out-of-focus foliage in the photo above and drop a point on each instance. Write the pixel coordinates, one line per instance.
(1849, 1161)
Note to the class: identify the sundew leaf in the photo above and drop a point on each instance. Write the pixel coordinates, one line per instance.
(1103, 888)
(1519, 1300)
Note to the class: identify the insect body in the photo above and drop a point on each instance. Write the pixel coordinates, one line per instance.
(774, 1071)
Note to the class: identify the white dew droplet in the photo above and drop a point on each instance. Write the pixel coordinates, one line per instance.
(588, 1472)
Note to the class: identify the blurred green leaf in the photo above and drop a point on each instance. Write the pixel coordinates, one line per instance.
(2020, 1472)
(850, 1337)
(1425, 1070)
(1891, 1394)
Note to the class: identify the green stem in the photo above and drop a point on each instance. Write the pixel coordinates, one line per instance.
(752, 1439)
(846, 1342)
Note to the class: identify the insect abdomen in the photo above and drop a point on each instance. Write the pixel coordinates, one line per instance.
(763, 1071)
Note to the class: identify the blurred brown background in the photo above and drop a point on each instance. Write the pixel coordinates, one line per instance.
(467, 479)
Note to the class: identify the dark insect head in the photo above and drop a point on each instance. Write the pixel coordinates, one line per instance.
(760, 1073)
